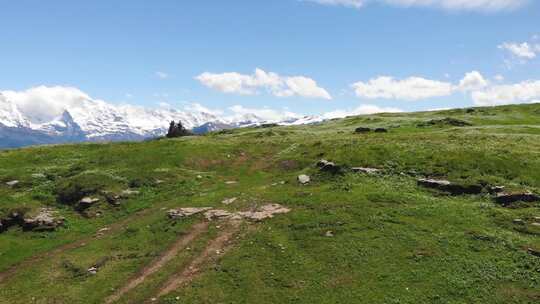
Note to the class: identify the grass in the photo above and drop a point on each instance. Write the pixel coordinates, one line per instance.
(391, 241)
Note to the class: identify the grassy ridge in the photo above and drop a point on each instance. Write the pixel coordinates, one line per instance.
(392, 242)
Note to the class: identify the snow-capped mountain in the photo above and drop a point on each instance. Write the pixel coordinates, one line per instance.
(82, 118)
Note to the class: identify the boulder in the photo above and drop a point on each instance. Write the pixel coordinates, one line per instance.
(365, 170)
(43, 221)
(304, 179)
(185, 212)
(216, 214)
(506, 199)
(12, 183)
(327, 166)
(360, 130)
(87, 202)
(447, 186)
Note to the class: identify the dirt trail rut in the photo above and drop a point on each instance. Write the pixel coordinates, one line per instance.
(161, 261)
(12, 270)
(213, 250)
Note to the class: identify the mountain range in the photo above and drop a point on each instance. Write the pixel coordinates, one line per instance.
(96, 121)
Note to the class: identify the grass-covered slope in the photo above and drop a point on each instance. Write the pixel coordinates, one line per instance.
(351, 238)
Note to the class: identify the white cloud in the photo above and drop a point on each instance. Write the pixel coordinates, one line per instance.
(267, 114)
(412, 88)
(520, 50)
(524, 92)
(473, 81)
(162, 75)
(273, 83)
(43, 104)
(452, 5)
(360, 110)
(499, 77)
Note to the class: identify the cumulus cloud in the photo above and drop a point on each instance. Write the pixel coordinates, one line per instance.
(412, 88)
(42, 104)
(521, 50)
(524, 92)
(473, 81)
(453, 5)
(273, 83)
(416, 88)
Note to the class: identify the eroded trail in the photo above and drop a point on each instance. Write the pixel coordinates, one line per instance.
(213, 251)
(12, 270)
(161, 261)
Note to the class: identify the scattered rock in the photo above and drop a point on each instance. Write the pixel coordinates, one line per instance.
(185, 212)
(535, 224)
(327, 166)
(447, 186)
(534, 252)
(304, 179)
(329, 233)
(38, 175)
(505, 198)
(231, 182)
(519, 222)
(448, 121)
(266, 211)
(43, 221)
(381, 130)
(229, 201)
(214, 214)
(360, 130)
(12, 183)
(365, 170)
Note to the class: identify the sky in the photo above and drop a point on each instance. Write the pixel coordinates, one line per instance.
(302, 56)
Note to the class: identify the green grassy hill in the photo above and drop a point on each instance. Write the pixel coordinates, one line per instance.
(349, 238)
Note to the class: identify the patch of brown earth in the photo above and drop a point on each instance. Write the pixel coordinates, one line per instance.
(156, 265)
(212, 252)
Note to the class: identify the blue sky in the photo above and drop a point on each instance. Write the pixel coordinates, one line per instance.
(310, 52)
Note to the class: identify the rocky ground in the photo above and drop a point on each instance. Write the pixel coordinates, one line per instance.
(436, 207)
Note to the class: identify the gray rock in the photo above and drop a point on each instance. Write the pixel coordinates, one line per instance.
(43, 221)
(506, 199)
(12, 183)
(38, 175)
(266, 211)
(328, 166)
(366, 170)
(229, 201)
(447, 186)
(185, 212)
(362, 130)
(87, 202)
(304, 179)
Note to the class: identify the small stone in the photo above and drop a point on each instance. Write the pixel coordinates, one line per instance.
(229, 201)
(304, 179)
(128, 192)
(535, 224)
(92, 270)
(329, 233)
(199, 177)
(231, 182)
(38, 175)
(12, 183)
(519, 222)
(365, 170)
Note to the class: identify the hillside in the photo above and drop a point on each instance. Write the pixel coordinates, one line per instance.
(349, 235)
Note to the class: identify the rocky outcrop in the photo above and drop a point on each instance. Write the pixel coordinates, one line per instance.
(186, 212)
(506, 199)
(447, 186)
(262, 213)
(44, 220)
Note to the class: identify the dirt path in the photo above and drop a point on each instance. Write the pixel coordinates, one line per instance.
(161, 261)
(8, 273)
(213, 250)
